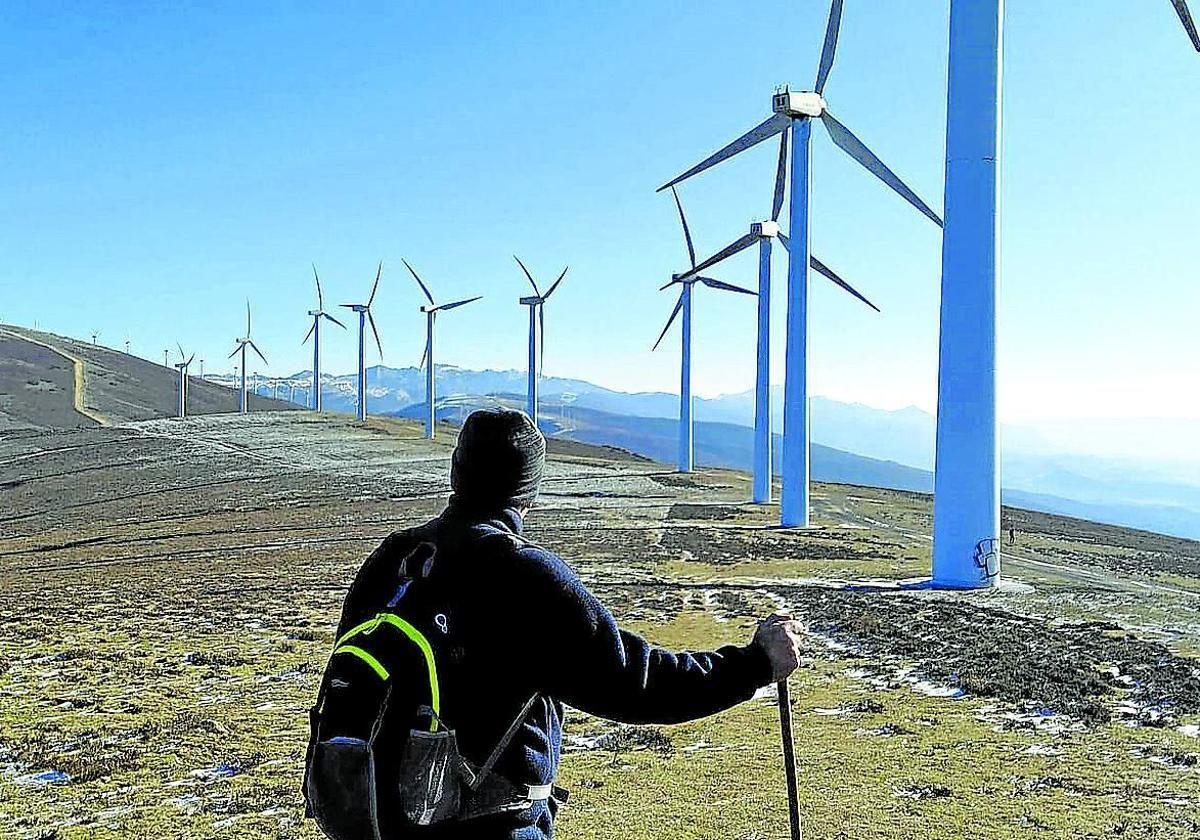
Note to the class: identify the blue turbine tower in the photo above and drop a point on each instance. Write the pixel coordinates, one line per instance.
(793, 114)
(431, 312)
(762, 233)
(314, 332)
(966, 507)
(365, 317)
(684, 304)
(537, 336)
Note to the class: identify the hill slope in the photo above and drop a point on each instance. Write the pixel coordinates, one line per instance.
(48, 381)
(171, 588)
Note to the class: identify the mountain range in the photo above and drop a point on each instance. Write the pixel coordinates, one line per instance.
(853, 443)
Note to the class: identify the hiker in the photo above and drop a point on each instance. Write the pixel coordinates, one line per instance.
(1012, 535)
(515, 634)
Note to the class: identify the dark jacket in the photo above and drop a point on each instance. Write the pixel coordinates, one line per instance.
(526, 624)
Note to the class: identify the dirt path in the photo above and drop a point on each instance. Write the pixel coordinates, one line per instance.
(80, 377)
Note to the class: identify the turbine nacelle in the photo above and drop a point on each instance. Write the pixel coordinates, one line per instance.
(799, 104)
(766, 230)
(532, 300)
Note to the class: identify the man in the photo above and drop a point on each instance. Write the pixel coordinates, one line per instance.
(524, 624)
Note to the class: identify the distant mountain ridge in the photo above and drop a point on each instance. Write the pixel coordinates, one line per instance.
(1159, 495)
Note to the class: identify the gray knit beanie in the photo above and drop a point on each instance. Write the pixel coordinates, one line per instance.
(499, 460)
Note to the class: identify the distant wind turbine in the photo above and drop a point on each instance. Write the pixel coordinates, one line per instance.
(537, 335)
(794, 113)
(762, 233)
(431, 312)
(242, 344)
(684, 304)
(315, 333)
(365, 316)
(95, 335)
(185, 362)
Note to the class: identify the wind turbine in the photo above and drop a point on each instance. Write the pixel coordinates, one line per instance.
(687, 280)
(364, 315)
(762, 233)
(793, 114)
(315, 333)
(95, 335)
(242, 344)
(431, 312)
(537, 334)
(966, 507)
(184, 363)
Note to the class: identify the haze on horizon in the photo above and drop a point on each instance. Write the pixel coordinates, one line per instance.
(164, 165)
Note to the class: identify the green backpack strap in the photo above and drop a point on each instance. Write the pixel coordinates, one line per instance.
(343, 647)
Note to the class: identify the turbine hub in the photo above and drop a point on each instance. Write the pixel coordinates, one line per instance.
(798, 104)
(765, 229)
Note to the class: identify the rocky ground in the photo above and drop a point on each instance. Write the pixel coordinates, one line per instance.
(168, 591)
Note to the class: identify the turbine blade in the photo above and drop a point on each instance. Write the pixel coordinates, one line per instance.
(767, 128)
(786, 242)
(188, 363)
(671, 320)
(247, 317)
(854, 147)
(687, 233)
(320, 297)
(456, 304)
(181, 353)
(424, 288)
(536, 290)
(541, 337)
(721, 284)
(311, 330)
(375, 287)
(554, 285)
(739, 244)
(780, 176)
(424, 354)
(329, 317)
(1189, 25)
(668, 285)
(375, 332)
(821, 268)
(254, 347)
(829, 51)
(235, 352)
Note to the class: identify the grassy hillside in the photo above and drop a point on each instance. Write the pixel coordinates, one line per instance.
(169, 591)
(48, 381)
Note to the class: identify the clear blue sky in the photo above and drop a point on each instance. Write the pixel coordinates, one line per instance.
(159, 165)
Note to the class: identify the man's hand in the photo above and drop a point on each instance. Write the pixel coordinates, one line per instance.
(780, 636)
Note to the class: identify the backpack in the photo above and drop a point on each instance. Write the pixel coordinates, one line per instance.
(380, 759)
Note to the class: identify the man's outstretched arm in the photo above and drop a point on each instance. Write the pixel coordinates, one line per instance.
(588, 662)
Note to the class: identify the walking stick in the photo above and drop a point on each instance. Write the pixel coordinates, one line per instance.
(789, 758)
